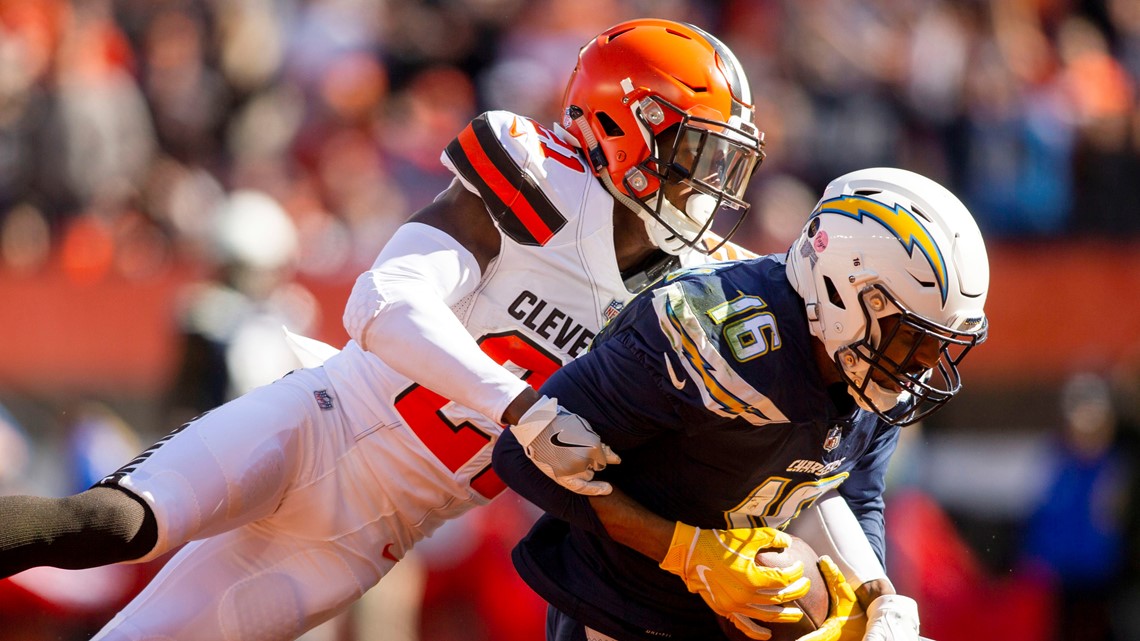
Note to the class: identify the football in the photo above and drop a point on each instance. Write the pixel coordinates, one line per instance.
(815, 603)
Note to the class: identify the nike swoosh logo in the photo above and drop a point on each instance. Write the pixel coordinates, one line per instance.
(702, 570)
(514, 131)
(678, 383)
(387, 554)
(560, 443)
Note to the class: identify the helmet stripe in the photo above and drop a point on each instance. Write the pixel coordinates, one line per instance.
(734, 72)
(902, 224)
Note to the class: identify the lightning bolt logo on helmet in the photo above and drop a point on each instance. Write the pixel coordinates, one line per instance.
(901, 222)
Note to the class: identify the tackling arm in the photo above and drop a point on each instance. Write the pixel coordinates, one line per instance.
(728, 250)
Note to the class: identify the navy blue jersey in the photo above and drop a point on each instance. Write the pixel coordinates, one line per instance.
(707, 387)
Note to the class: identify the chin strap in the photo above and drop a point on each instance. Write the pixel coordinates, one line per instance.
(594, 152)
(665, 238)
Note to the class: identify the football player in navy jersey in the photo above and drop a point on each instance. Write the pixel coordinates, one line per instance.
(755, 394)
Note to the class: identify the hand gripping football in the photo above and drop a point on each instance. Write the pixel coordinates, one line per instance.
(814, 604)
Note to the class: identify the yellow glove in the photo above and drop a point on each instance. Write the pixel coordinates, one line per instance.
(720, 566)
(845, 619)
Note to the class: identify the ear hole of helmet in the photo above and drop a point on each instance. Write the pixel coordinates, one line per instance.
(832, 293)
(608, 125)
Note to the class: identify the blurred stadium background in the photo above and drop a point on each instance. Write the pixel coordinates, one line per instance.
(179, 178)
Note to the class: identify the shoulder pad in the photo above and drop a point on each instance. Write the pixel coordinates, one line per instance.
(493, 156)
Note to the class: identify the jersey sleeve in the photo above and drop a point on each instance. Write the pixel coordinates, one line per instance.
(864, 489)
(708, 338)
(505, 159)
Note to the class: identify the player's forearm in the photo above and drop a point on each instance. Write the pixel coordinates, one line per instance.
(831, 527)
(527, 397)
(871, 590)
(423, 340)
(615, 515)
(632, 525)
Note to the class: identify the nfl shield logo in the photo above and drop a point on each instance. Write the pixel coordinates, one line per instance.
(612, 310)
(324, 400)
(832, 440)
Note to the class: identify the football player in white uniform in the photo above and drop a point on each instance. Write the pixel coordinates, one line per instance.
(296, 498)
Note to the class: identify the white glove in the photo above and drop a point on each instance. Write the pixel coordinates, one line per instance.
(564, 447)
(892, 617)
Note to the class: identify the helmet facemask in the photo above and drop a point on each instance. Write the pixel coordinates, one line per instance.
(700, 164)
(903, 358)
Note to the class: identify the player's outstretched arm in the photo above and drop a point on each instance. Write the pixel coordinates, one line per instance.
(401, 311)
(831, 528)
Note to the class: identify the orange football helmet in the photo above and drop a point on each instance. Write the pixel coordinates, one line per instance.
(657, 103)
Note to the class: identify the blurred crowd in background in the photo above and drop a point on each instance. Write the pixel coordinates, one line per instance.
(262, 144)
(124, 124)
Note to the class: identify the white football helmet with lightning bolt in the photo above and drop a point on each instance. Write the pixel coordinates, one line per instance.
(891, 265)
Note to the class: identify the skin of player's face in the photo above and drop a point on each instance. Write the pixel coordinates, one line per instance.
(924, 358)
(686, 157)
(678, 192)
